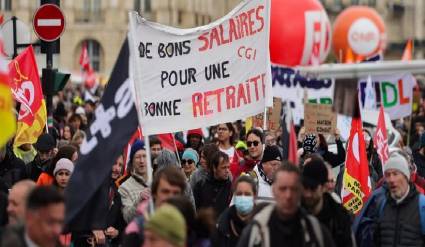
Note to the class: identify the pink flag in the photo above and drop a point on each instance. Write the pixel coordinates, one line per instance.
(380, 139)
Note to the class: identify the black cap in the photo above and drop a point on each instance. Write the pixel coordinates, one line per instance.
(315, 173)
(45, 143)
(271, 153)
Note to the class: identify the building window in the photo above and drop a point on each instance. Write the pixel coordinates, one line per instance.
(6, 5)
(91, 11)
(94, 52)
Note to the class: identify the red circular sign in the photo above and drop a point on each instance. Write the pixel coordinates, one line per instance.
(48, 22)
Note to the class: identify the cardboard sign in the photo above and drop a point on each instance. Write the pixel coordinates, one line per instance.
(319, 119)
(273, 116)
(192, 78)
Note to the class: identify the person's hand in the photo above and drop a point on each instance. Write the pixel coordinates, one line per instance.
(301, 134)
(337, 134)
(145, 194)
(99, 236)
(111, 232)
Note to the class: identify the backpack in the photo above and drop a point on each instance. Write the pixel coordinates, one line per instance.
(364, 224)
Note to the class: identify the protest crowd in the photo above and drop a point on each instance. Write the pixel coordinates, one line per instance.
(228, 186)
(214, 161)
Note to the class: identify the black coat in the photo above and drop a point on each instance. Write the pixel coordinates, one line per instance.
(213, 193)
(419, 160)
(12, 169)
(337, 219)
(36, 167)
(334, 159)
(229, 228)
(399, 224)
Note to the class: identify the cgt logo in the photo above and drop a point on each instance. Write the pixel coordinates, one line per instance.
(23, 92)
(317, 37)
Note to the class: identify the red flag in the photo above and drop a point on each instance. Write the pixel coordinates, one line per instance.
(407, 53)
(356, 183)
(84, 58)
(380, 139)
(26, 89)
(289, 137)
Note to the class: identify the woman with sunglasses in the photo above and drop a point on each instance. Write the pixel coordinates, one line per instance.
(189, 161)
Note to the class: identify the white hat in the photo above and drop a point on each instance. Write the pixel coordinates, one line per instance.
(63, 164)
(80, 111)
(398, 162)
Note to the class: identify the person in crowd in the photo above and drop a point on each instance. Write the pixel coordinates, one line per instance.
(375, 166)
(415, 137)
(62, 172)
(43, 223)
(311, 145)
(168, 158)
(17, 199)
(135, 189)
(254, 142)
(69, 152)
(216, 190)
(226, 139)
(78, 138)
(112, 234)
(189, 162)
(75, 122)
(167, 182)
(331, 184)
(12, 169)
(26, 152)
(234, 219)
(321, 204)
(263, 172)
(166, 228)
(46, 150)
(285, 223)
(419, 156)
(270, 138)
(391, 215)
(156, 148)
(201, 173)
(195, 139)
(89, 107)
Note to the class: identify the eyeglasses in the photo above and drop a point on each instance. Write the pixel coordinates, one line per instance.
(255, 143)
(190, 162)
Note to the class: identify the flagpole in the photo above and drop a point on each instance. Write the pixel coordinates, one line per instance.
(177, 151)
(148, 158)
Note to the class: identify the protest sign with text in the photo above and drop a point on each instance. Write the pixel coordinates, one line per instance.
(319, 118)
(393, 92)
(273, 116)
(290, 85)
(191, 78)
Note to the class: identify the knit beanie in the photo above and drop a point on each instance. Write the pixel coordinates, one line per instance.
(168, 223)
(137, 145)
(63, 164)
(166, 158)
(191, 154)
(314, 174)
(271, 153)
(309, 143)
(398, 162)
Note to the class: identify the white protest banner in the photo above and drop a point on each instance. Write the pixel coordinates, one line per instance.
(191, 78)
(393, 92)
(289, 85)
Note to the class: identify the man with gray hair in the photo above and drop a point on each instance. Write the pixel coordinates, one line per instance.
(392, 216)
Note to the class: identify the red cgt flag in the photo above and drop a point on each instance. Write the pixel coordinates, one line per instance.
(380, 139)
(84, 58)
(356, 183)
(26, 89)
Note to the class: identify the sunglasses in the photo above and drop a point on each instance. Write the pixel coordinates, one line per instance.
(255, 143)
(190, 162)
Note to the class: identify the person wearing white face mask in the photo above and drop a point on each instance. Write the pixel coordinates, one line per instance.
(234, 219)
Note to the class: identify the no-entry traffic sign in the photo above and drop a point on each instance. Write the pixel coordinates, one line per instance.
(48, 22)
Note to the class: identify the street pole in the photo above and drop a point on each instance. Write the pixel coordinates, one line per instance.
(15, 39)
